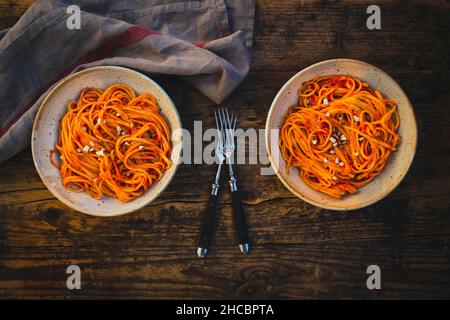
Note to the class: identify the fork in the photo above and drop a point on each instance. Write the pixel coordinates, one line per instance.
(208, 222)
(228, 126)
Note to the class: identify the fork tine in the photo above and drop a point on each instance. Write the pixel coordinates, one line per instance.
(222, 126)
(228, 118)
(232, 126)
(217, 122)
(219, 133)
(225, 123)
(229, 131)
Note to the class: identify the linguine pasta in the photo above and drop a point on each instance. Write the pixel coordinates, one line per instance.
(112, 142)
(340, 134)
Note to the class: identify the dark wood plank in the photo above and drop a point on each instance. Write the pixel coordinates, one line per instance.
(299, 251)
(11, 10)
(290, 35)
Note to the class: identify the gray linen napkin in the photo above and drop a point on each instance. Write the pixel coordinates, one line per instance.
(207, 43)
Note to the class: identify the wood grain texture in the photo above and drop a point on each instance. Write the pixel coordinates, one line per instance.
(11, 10)
(298, 251)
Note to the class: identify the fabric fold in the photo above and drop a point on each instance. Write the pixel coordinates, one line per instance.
(206, 43)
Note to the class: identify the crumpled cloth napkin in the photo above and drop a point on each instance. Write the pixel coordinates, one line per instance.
(207, 43)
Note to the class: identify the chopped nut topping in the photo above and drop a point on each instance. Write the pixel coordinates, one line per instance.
(101, 153)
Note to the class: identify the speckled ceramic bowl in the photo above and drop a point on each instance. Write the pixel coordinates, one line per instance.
(399, 161)
(46, 128)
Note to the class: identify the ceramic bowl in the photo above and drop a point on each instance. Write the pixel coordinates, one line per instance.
(398, 163)
(46, 130)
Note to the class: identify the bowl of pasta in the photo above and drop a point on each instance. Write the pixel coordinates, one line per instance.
(341, 134)
(106, 140)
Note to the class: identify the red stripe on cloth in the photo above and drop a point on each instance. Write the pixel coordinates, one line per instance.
(131, 35)
(199, 44)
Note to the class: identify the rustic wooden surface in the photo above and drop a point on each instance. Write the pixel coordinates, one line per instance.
(298, 251)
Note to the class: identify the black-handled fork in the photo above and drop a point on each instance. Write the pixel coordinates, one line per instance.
(208, 222)
(228, 126)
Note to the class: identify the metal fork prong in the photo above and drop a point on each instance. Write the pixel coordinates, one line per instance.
(225, 125)
(219, 134)
(221, 126)
(232, 127)
(230, 130)
(228, 115)
(228, 119)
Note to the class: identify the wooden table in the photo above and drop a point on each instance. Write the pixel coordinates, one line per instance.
(298, 251)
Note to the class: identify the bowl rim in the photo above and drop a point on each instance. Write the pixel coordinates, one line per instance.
(38, 116)
(299, 194)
